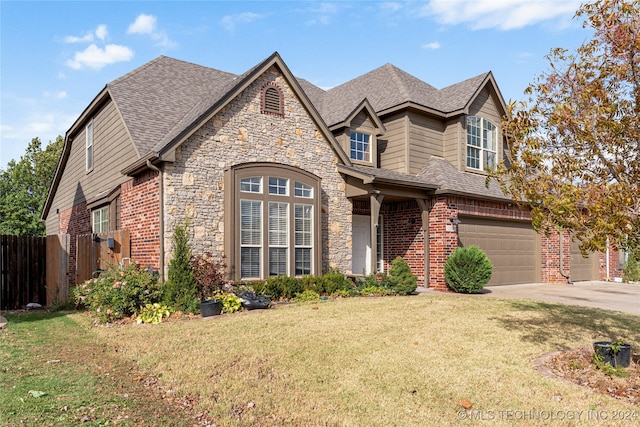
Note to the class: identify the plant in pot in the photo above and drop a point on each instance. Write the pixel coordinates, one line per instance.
(209, 276)
(616, 353)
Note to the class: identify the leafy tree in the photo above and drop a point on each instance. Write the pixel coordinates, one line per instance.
(575, 150)
(24, 186)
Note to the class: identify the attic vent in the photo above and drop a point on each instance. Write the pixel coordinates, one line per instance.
(272, 100)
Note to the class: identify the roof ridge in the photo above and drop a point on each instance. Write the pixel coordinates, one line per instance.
(138, 69)
(394, 71)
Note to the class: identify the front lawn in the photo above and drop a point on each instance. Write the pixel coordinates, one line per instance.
(403, 361)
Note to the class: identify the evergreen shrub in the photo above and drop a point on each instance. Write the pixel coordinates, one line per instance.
(467, 270)
(402, 281)
(181, 288)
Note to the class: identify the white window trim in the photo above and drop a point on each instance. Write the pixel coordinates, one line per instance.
(103, 212)
(481, 149)
(369, 147)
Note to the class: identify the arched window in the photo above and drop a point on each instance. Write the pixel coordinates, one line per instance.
(274, 221)
(272, 100)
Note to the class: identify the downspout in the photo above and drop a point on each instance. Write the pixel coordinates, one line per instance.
(161, 213)
(562, 270)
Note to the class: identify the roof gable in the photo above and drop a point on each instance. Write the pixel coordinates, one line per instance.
(156, 96)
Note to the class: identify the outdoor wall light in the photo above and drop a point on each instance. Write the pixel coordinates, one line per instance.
(454, 221)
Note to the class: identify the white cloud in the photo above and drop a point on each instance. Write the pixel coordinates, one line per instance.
(101, 32)
(229, 22)
(96, 57)
(501, 14)
(323, 13)
(431, 45)
(87, 38)
(144, 24)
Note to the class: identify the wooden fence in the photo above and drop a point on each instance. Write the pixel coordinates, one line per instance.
(57, 268)
(36, 269)
(22, 271)
(96, 252)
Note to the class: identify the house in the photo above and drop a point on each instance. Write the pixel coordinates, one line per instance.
(282, 177)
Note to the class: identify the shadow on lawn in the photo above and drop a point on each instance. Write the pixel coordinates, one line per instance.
(28, 316)
(559, 324)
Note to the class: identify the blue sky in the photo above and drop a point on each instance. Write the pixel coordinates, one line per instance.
(55, 56)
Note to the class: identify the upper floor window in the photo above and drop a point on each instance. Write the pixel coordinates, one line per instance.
(100, 220)
(482, 141)
(89, 146)
(272, 100)
(360, 146)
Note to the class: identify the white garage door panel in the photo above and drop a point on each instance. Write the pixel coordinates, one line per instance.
(512, 248)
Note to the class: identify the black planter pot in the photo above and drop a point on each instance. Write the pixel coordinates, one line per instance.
(621, 359)
(211, 307)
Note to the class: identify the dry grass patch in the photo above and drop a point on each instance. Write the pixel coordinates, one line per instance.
(373, 361)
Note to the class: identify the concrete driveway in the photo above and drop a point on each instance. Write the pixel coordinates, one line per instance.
(623, 297)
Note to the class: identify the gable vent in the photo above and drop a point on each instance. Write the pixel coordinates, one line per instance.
(272, 100)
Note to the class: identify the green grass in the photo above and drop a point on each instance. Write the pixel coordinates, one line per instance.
(53, 373)
(402, 361)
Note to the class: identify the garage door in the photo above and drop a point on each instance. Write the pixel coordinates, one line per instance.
(583, 268)
(512, 248)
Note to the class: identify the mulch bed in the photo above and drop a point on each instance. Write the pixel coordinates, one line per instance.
(576, 366)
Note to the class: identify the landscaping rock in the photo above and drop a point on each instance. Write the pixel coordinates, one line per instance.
(3, 322)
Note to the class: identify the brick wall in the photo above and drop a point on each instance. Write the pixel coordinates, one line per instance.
(403, 236)
(140, 205)
(442, 241)
(550, 257)
(74, 221)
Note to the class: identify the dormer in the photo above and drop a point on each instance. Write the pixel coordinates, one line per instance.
(358, 134)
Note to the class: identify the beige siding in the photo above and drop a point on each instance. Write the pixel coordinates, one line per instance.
(394, 141)
(113, 150)
(486, 106)
(454, 142)
(425, 140)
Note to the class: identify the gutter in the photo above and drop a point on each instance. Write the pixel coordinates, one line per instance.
(161, 213)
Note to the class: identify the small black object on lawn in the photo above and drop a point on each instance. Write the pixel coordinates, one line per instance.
(251, 301)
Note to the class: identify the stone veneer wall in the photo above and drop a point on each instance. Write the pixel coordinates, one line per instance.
(194, 184)
(74, 222)
(139, 205)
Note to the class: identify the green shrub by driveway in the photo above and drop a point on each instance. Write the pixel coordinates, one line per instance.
(467, 270)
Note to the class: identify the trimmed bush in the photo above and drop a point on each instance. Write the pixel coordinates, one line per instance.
(307, 296)
(467, 270)
(403, 282)
(276, 287)
(116, 293)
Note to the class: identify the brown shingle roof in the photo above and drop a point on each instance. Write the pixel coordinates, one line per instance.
(440, 172)
(387, 87)
(156, 96)
(162, 98)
